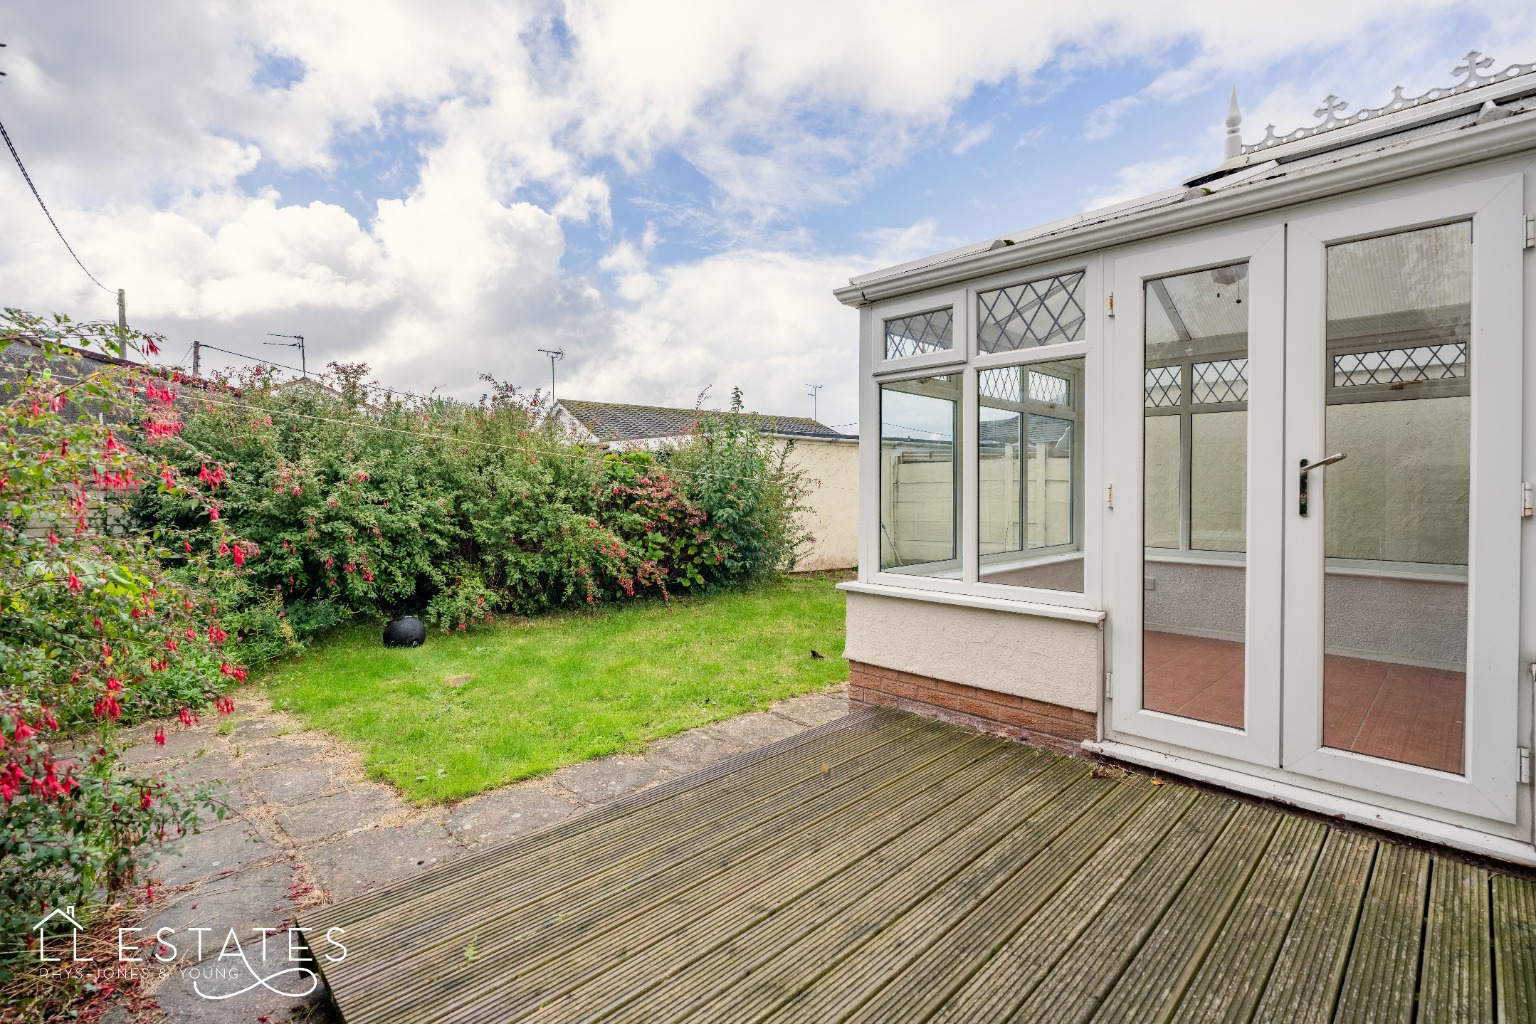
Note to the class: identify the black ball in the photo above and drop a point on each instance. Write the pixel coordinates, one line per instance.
(406, 631)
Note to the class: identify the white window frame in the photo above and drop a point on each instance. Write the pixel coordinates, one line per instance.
(895, 309)
(966, 359)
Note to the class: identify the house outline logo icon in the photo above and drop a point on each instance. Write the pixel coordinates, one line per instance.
(68, 914)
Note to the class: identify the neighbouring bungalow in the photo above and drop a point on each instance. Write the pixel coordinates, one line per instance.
(1232, 481)
(828, 459)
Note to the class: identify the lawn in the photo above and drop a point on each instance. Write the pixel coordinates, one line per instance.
(470, 711)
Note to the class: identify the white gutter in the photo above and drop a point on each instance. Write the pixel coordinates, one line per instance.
(1437, 153)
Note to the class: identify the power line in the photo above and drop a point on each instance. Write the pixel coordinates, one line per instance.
(12, 147)
(295, 369)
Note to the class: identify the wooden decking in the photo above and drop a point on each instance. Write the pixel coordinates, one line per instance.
(889, 868)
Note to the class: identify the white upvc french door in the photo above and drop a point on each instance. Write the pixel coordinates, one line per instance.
(1196, 392)
(1442, 471)
(1312, 569)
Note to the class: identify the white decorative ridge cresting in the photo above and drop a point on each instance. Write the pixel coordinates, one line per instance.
(1332, 111)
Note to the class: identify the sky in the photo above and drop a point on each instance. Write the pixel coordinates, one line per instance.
(668, 190)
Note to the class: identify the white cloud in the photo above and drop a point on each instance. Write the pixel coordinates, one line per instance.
(971, 137)
(147, 124)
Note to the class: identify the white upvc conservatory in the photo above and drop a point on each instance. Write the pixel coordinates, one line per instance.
(1232, 481)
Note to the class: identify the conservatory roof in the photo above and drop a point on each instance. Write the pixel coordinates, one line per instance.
(1489, 115)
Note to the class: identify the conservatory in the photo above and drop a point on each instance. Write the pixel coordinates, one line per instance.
(1233, 481)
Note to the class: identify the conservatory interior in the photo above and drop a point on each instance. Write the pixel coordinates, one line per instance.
(1233, 480)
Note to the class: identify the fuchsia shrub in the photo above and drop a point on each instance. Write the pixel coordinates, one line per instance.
(366, 503)
(100, 624)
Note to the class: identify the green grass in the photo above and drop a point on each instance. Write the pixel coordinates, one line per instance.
(552, 691)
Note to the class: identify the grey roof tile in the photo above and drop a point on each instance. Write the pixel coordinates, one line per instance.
(619, 422)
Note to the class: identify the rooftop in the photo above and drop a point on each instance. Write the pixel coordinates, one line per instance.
(620, 422)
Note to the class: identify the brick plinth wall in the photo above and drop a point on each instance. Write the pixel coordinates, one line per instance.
(1018, 718)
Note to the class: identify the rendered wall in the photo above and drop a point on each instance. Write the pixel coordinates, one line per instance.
(1055, 661)
(1401, 620)
(832, 468)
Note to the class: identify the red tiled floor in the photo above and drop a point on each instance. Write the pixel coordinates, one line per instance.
(1193, 677)
(1416, 715)
(1399, 712)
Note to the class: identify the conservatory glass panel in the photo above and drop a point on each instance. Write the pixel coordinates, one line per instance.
(1396, 510)
(920, 476)
(1028, 315)
(1195, 495)
(920, 333)
(1029, 461)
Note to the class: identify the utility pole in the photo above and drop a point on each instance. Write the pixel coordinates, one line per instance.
(814, 393)
(197, 357)
(297, 343)
(122, 324)
(554, 354)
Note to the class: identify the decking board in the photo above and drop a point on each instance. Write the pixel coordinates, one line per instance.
(885, 867)
(653, 874)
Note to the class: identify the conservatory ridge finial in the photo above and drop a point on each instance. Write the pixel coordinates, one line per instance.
(1234, 143)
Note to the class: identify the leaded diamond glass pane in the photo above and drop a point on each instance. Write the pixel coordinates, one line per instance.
(1400, 365)
(1006, 385)
(1003, 384)
(1225, 380)
(1021, 316)
(1164, 387)
(913, 335)
(1045, 387)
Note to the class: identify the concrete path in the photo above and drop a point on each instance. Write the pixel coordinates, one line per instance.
(307, 827)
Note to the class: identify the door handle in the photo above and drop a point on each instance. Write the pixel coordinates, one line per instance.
(1308, 467)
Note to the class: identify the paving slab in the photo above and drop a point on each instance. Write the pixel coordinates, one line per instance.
(256, 897)
(814, 708)
(179, 743)
(605, 778)
(294, 782)
(230, 845)
(181, 1001)
(686, 751)
(265, 753)
(508, 813)
(747, 731)
(354, 807)
(380, 855)
(255, 728)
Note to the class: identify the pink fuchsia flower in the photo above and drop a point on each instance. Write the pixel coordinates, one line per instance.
(186, 716)
(107, 707)
(225, 704)
(23, 731)
(75, 586)
(159, 735)
(53, 541)
(239, 555)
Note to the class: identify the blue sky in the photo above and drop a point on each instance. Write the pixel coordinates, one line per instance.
(669, 191)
